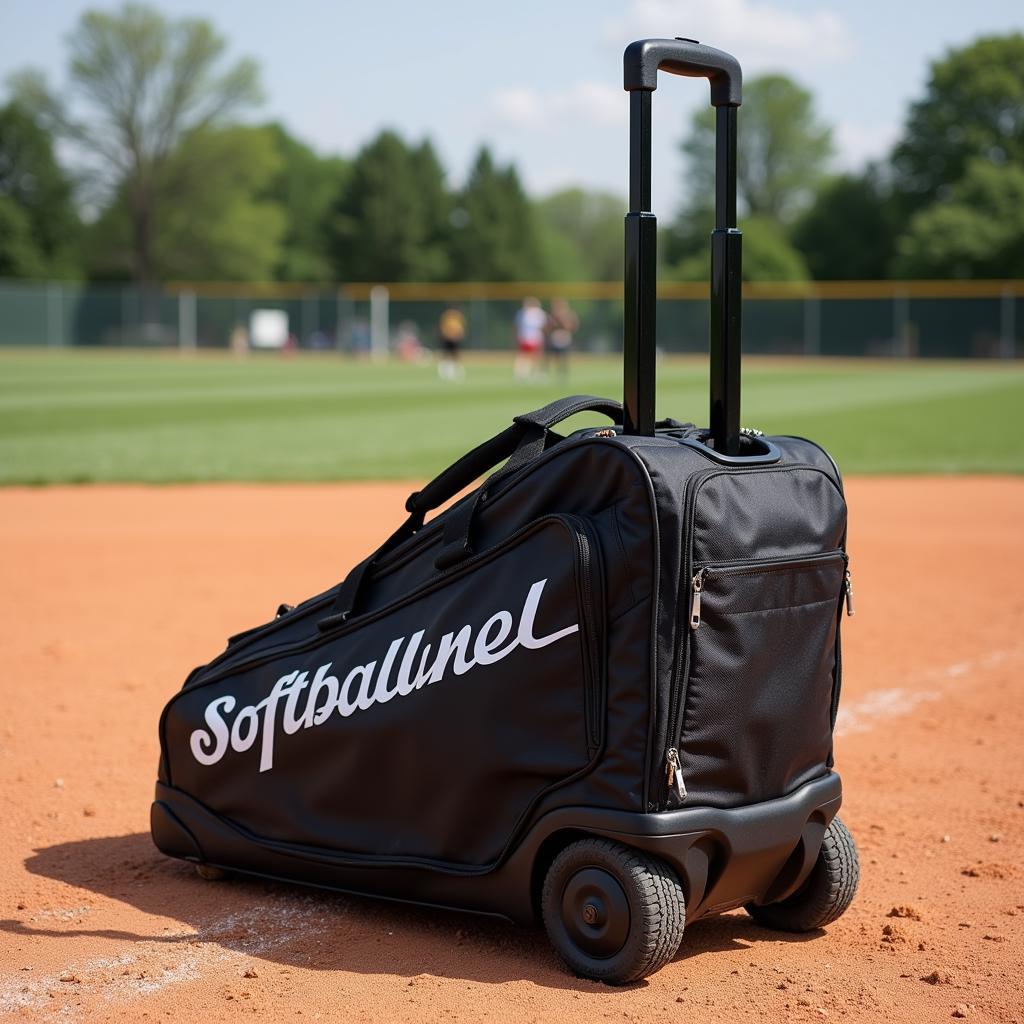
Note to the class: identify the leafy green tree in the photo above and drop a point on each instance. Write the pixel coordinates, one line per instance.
(496, 237)
(140, 85)
(849, 231)
(39, 223)
(216, 223)
(305, 187)
(782, 150)
(767, 256)
(560, 255)
(973, 108)
(20, 255)
(977, 232)
(591, 225)
(391, 221)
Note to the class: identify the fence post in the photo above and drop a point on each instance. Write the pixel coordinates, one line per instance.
(379, 322)
(1007, 323)
(186, 319)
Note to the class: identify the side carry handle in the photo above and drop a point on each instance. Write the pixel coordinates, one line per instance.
(641, 63)
(520, 443)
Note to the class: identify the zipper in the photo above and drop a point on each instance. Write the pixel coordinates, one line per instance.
(696, 589)
(239, 641)
(674, 773)
(282, 610)
(848, 589)
(683, 660)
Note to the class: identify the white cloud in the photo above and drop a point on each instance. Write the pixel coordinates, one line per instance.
(595, 102)
(518, 106)
(857, 142)
(760, 33)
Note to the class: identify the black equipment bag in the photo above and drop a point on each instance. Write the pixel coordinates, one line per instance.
(640, 621)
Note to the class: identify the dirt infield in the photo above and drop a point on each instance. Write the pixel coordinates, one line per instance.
(110, 595)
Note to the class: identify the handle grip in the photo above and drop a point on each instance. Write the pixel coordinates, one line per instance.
(646, 57)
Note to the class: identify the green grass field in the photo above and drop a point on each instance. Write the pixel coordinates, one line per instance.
(112, 416)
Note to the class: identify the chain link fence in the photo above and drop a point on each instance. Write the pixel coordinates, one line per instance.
(976, 319)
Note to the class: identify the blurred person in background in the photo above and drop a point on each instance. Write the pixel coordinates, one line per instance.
(451, 333)
(238, 341)
(562, 324)
(359, 340)
(530, 324)
(407, 342)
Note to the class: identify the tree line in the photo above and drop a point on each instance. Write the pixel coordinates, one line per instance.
(148, 168)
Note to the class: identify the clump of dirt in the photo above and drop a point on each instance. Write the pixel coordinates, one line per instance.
(905, 910)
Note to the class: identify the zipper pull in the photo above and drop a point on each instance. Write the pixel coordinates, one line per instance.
(848, 590)
(697, 586)
(674, 772)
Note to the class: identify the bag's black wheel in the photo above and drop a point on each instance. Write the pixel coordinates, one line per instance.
(211, 873)
(612, 913)
(826, 894)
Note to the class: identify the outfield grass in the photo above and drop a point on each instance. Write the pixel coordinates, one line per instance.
(101, 416)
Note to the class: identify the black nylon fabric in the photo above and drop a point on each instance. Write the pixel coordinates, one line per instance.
(348, 759)
(450, 772)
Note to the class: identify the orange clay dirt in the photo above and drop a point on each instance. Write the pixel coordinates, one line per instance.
(111, 594)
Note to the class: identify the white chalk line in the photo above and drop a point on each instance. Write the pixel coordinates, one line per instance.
(255, 931)
(893, 702)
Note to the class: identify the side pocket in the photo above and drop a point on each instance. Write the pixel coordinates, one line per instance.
(424, 732)
(762, 678)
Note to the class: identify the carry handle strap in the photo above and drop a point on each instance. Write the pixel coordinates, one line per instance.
(528, 431)
(520, 443)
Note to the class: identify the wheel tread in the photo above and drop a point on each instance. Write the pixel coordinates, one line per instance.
(661, 908)
(828, 892)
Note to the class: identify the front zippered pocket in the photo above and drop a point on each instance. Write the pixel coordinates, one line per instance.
(427, 730)
(759, 679)
(750, 567)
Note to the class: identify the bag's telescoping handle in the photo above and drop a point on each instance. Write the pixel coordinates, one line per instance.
(641, 63)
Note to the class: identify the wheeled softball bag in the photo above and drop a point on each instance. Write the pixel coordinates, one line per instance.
(598, 691)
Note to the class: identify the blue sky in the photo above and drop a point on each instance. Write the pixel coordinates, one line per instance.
(541, 82)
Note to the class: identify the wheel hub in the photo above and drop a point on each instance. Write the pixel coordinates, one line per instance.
(596, 912)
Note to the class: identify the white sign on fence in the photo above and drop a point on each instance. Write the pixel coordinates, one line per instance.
(268, 328)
